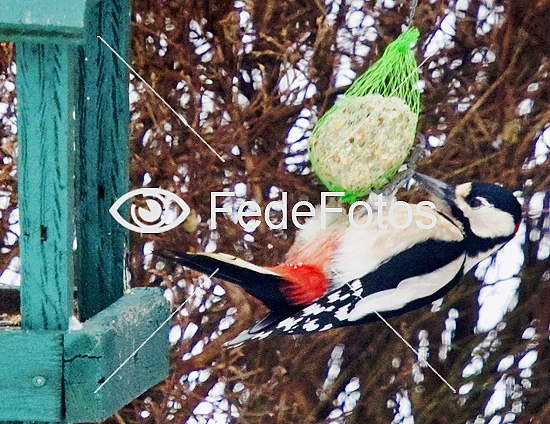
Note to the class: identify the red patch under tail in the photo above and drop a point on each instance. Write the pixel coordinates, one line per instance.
(303, 284)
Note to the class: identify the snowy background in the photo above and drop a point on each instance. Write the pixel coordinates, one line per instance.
(253, 77)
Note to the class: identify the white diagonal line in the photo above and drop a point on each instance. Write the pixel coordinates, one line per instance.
(179, 116)
(415, 351)
(404, 340)
(148, 338)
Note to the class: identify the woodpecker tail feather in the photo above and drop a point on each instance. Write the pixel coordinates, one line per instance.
(262, 283)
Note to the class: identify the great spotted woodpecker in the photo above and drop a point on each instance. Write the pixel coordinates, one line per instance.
(342, 275)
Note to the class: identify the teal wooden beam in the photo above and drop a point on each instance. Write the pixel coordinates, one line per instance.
(46, 136)
(103, 157)
(92, 354)
(31, 368)
(48, 22)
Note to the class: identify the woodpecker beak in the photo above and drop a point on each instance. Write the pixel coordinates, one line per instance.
(438, 188)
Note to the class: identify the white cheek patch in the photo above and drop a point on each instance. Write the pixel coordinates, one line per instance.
(489, 222)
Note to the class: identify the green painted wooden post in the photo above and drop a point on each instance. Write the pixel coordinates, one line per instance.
(73, 165)
(32, 361)
(103, 157)
(46, 138)
(45, 79)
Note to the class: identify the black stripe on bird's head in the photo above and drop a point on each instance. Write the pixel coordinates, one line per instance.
(484, 210)
(493, 211)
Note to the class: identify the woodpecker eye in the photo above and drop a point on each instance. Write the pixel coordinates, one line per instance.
(478, 202)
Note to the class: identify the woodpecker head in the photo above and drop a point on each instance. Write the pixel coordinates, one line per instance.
(487, 211)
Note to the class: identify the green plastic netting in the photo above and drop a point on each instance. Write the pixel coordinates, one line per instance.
(394, 74)
(359, 144)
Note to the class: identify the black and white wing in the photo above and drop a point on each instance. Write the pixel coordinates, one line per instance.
(408, 280)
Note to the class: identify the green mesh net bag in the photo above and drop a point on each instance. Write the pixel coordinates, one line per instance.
(359, 144)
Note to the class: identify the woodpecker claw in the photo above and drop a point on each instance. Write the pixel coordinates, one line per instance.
(403, 176)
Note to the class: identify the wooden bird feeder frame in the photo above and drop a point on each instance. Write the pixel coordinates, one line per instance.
(73, 114)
